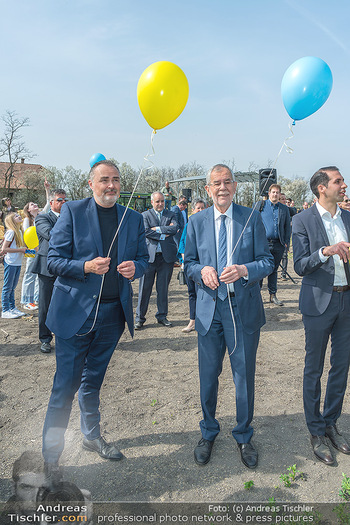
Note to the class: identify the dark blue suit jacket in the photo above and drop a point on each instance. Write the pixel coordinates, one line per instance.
(284, 228)
(309, 235)
(75, 239)
(252, 250)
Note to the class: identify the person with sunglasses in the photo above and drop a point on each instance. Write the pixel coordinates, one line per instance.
(44, 223)
(345, 204)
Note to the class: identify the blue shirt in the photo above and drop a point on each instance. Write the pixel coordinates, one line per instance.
(269, 217)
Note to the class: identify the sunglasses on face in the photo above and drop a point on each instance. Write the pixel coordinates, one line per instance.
(61, 200)
(346, 200)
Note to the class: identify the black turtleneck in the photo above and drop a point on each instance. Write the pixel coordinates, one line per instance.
(108, 219)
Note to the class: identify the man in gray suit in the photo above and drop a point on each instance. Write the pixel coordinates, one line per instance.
(44, 223)
(321, 253)
(160, 228)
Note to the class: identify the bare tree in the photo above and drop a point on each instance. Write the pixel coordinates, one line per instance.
(11, 144)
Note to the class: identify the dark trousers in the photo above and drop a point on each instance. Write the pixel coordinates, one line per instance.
(164, 271)
(81, 363)
(45, 293)
(276, 249)
(211, 352)
(334, 322)
(192, 297)
(284, 262)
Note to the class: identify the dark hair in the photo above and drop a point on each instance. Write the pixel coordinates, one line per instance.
(100, 163)
(320, 177)
(197, 201)
(59, 191)
(29, 461)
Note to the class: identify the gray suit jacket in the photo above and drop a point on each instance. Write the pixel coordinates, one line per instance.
(44, 223)
(168, 246)
(309, 235)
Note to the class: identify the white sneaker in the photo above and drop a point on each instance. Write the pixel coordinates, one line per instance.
(30, 306)
(9, 315)
(17, 312)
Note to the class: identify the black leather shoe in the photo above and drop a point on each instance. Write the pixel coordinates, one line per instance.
(45, 348)
(138, 325)
(274, 300)
(249, 454)
(53, 474)
(321, 449)
(104, 449)
(165, 322)
(338, 441)
(202, 452)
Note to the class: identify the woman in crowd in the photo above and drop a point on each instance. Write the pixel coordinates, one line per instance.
(345, 204)
(6, 208)
(14, 248)
(30, 283)
(197, 206)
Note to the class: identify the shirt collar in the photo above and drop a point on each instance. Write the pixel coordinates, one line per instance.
(218, 213)
(272, 204)
(323, 212)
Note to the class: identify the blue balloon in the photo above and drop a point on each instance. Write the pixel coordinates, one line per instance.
(305, 87)
(96, 158)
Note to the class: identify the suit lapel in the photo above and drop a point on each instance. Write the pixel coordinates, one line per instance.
(209, 237)
(92, 219)
(122, 233)
(237, 227)
(320, 224)
(345, 215)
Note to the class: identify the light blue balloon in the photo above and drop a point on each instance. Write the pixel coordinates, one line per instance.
(96, 158)
(305, 87)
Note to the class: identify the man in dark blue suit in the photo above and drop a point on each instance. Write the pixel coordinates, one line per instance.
(160, 228)
(44, 223)
(321, 245)
(177, 210)
(91, 301)
(227, 254)
(276, 219)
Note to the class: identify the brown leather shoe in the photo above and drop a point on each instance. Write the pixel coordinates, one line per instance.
(321, 449)
(338, 441)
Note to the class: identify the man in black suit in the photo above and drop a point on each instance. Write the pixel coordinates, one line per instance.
(160, 228)
(276, 219)
(321, 236)
(180, 219)
(44, 223)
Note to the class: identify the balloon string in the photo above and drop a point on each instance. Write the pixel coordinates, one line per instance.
(146, 159)
(289, 150)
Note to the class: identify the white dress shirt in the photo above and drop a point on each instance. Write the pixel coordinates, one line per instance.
(336, 232)
(229, 234)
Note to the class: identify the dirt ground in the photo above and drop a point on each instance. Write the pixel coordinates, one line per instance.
(150, 406)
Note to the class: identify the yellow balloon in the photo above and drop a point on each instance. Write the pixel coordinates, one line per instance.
(162, 93)
(30, 238)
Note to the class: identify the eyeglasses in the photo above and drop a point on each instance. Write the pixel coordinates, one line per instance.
(346, 200)
(61, 200)
(217, 184)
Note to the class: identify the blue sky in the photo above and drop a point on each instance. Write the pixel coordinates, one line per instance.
(73, 66)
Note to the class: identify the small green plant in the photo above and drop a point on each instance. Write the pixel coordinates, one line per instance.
(342, 514)
(154, 422)
(154, 402)
(292, 475)
(249, 484)
(272, 501)
(344, 492)
(286, 480)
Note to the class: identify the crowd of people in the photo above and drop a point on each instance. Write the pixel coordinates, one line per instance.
(90, 251)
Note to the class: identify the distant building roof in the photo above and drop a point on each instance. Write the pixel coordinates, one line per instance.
(20, 169)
